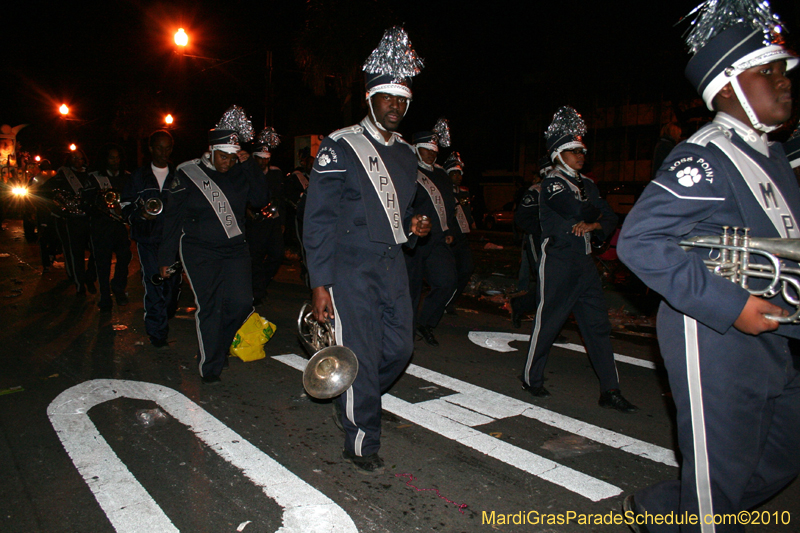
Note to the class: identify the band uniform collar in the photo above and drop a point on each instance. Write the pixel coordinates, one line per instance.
(375, 133)
(748, 134)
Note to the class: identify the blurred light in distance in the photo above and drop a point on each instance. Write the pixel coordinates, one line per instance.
(168, 119)
(64, 110)
(181, 39)
(72, 147)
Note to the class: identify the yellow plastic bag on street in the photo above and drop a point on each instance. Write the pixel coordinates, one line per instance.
(248, 344)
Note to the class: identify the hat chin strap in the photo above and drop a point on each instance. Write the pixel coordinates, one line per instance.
(737, 89)
(567, 168)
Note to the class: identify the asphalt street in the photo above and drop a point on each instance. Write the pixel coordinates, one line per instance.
(100, 432)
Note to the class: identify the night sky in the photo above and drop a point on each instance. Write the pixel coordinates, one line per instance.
(490, 68)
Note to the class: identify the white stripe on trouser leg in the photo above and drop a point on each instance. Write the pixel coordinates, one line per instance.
(144, 280)
(196, 313)
(538, 322)
(338, 336)
(701, 473)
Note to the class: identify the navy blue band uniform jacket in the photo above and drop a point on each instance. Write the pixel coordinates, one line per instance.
(561, 207)
(141, 187)
(191, 218)
(343, 208)
(697, 191)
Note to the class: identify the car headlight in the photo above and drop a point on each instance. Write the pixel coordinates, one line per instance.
(19, 191)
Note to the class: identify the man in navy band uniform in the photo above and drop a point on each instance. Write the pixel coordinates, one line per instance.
(431, 259)
(571, 213)
(265, 230)
(731, 373)
(152, 181)
(462, 253)
(108, 232)
(357, 219)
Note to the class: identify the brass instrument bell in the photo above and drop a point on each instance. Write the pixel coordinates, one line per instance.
(332, 369)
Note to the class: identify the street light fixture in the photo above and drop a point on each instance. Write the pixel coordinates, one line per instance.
(169, 120)
(181, 39)
(64, 110)
(72, 147)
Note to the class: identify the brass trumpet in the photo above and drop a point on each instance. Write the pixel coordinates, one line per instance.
(733, 262)
(152, 206)
(332, 369)
(111, 207)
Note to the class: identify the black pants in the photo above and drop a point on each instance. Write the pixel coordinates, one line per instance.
(74, 234)
(160, 301)
(110, 238)
(431, 260)
(462, 254)
(374, 319)
(571, 284)
(265, 239)
(223, 291)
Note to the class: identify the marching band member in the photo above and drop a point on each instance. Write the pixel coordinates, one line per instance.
(357, 219)
(462, 253)
(203, 221)
(431, 259)
(150, 185)
(571, 211)
(731, 375)
(108, 232)
(265, 230)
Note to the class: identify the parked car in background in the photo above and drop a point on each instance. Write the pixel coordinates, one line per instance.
(503, 217)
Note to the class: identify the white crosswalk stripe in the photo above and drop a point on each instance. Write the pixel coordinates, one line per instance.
(456, 416)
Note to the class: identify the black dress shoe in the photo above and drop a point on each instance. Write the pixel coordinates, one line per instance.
(630, 515)
(369, 465)
(451, 310)
(613, 399)
(122, 299)
(210, 380)
(90, 288)
(536, 392)
(159, 344)
(105, 305)
(80, 291)
(427, 336)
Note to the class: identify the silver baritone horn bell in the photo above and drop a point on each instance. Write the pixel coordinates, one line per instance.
(331, 369)
(732, 261)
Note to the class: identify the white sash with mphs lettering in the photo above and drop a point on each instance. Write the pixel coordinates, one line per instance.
(462, 218)
(436, 197)
(215, 197)
(763, 188)
(381, 181)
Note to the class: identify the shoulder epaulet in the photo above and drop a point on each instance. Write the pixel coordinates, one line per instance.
(440, 167)
(187, 163)
(706, 134)
(274, 168)
(350, 130)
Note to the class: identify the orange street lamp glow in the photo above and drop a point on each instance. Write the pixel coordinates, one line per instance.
(72, 147)
(168, 119)
(64, 109)
(181, 39)
(37, 158)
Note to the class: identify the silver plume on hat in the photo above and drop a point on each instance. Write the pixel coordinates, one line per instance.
(442, 131)
(394, 56)
(454, 159)
(715, 16)
(237, 120)
(566, 121)
(269, 138)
